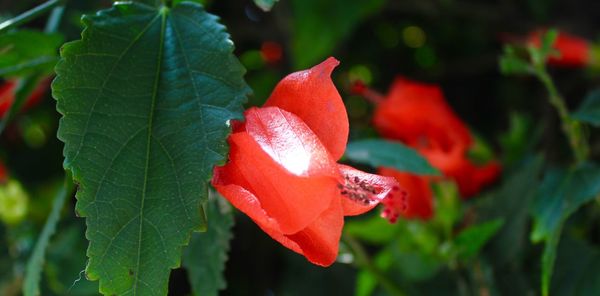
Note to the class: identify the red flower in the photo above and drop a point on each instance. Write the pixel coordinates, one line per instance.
(7, 95)
(418, 200)
(282, 169)
(573, 51)
(418, 115)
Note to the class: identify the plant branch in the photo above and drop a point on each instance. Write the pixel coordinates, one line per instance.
(362, 260)
(29, 15)
(572, 128)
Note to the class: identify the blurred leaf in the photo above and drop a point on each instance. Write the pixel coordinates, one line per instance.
(26, 51)
(373, 229)
(517, 139)
(319, 26)
(511, 202)
(379, 153)
(33, 271)
(577, 268)
(265, 5)
(469, 242)
(511, 63)
(589, 110)
(540, 54)
(205, 257)
(448, 209)
(561, 193)
(66, 262)
(145, 96)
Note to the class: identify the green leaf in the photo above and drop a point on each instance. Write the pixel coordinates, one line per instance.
(319, 26)
(33, 271)
(25, 52)
(265, 5)
(562, 192)
(469, 242)
(379, 153)
(511, 63)
(146, 97)
(206, 255)
(589, 110)
(374, 229)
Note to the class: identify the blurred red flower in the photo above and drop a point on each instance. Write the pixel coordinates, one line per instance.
(3, 173)
(7, 95)
(418, 115)
(573, 51)
(282, 169)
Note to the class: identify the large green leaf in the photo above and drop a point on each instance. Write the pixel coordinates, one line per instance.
(319, 26)
(206, 255)
(146, 97)
(26, 51)
(589, 110)
(390, 154)
(562, 192)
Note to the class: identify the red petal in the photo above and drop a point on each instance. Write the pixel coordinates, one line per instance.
(419, 198)
(318, 242)
(293, 201)
(312, 96)
(361, 191)
(289, 142)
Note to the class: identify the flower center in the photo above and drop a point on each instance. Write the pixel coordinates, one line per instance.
(359, 190)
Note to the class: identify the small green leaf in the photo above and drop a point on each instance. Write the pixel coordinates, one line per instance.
(26, 51)
(146, 97)
(511, 63)
(562, 192)
(469, 242)
(33, 271)
(589, 110)
(378, 153)
(265, 5)
(206, 255)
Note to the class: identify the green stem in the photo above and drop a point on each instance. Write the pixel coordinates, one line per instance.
(29, 15)
(362, 260)
(54, 19)
(572, 128)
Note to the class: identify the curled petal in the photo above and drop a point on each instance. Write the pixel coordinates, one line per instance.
(312, 96)
(361, 191)
(293, 201)
(318, 242)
